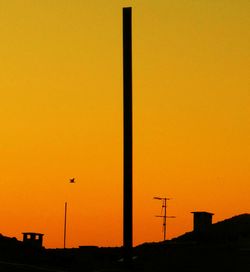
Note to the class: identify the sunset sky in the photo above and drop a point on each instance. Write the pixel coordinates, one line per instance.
(61, 116)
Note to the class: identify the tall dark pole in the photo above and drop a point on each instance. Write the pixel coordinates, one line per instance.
(127, 134)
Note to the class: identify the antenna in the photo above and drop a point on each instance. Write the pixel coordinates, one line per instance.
(164, 216)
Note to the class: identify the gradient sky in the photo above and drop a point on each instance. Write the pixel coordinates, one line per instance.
(61, 116)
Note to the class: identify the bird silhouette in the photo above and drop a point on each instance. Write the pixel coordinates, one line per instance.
(72, 180)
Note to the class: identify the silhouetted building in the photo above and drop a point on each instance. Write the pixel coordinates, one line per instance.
(202, 221)
(33, 239)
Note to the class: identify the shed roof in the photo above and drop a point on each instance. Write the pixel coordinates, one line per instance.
(36, 233)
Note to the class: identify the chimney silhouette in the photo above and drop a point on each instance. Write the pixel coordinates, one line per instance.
(202, 221)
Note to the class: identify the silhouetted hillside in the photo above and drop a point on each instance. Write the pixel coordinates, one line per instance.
(223, 246)
(235, 230)
(9, 246)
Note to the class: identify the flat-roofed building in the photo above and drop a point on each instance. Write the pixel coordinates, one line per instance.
(33, 239)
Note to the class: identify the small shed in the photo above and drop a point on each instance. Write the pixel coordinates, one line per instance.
(33, 239)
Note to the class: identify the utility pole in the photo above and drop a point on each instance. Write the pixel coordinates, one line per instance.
(164, 216)
(127, 136)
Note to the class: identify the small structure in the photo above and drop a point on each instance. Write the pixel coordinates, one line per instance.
(202, 221)
(33, 239)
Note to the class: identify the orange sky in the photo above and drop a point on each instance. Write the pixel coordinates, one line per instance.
(61, 116)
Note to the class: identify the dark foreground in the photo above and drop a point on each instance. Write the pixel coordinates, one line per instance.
(188, 257)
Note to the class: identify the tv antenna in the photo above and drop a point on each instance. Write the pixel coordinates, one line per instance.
(164, 216)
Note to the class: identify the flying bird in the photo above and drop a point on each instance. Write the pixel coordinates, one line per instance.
(72, 180)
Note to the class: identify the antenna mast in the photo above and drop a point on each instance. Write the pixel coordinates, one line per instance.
(164, 216)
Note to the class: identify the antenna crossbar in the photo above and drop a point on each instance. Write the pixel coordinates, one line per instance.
(164, 216)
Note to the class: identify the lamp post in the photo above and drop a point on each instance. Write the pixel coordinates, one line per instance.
(72, 180)
(65, 224)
